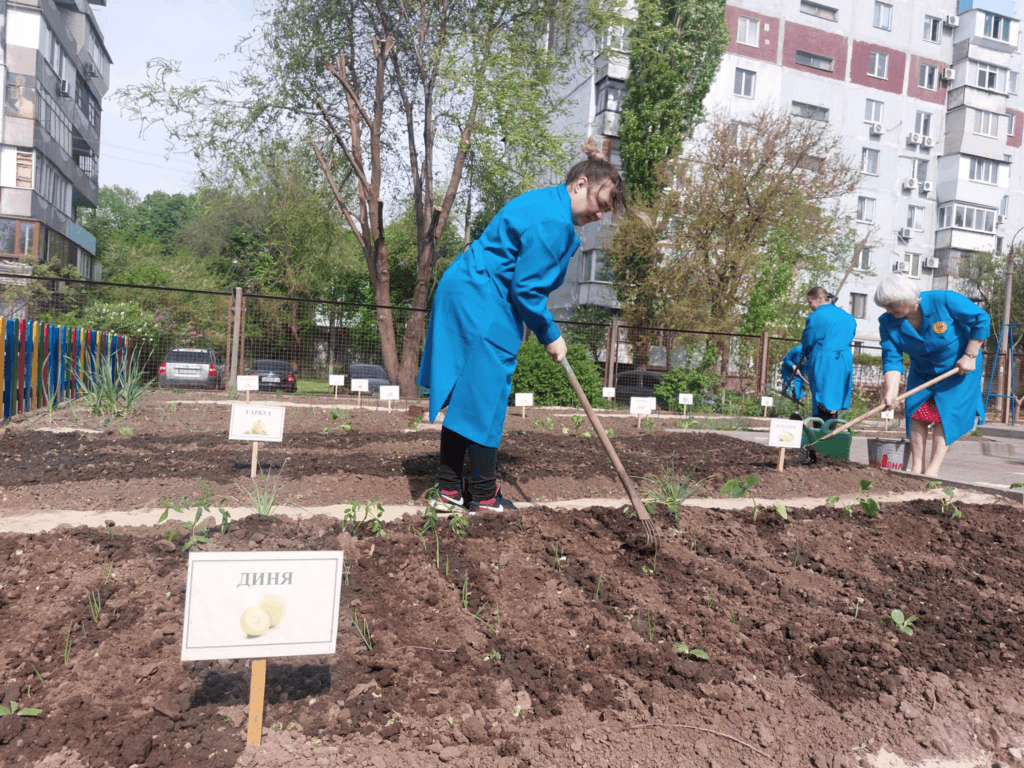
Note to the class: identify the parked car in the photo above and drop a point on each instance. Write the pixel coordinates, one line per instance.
(375, 374)
(191, 368)
(637, 384)
(274, 375)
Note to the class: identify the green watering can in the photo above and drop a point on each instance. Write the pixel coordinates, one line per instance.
(815, 429)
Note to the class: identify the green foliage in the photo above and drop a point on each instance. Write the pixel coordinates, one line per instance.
(537, 372)
(869, 506)
(16, 709)
(736, 487)
(902, 623)
(115, 385)
(197, 532)
(666, 489)
(948, 506)
(695, 381)
(684, 650)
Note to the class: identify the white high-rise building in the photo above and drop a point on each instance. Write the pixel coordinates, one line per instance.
(926, 96)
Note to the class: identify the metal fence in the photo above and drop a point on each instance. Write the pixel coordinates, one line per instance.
(319, 338)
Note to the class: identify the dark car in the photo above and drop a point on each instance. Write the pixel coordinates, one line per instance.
(637, 384)
(275, 375)
(191, 368)
(375, 374)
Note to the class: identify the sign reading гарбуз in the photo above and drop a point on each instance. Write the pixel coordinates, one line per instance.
(242, 605)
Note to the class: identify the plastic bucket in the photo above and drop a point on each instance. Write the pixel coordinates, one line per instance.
(888, 454)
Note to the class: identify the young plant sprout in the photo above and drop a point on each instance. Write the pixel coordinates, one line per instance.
(696, 653)
(903, 623)
(736, 487)
(868, 505)
(948, 507)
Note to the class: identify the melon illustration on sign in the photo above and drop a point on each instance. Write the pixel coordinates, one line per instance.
(257, 620)
(257, 428)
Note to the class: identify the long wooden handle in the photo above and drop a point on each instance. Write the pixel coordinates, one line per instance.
(880, 408)
(627, 482)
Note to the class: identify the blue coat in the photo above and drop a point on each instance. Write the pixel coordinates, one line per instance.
(948, 321)
(829, 368)
(792, 384)
(484, 299)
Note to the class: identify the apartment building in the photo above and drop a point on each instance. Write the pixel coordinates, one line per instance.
(926, 96)
(56, 70)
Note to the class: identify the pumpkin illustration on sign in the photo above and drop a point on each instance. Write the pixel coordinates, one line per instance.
(939, 327)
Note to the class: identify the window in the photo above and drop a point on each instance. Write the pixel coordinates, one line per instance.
(915, 218)
(923, 123)
(883, 15)
(985, 171)
(988, 75)
(609, 95)
(28, 238)
(744, 85)
(595, 270)
(1004, 206)
(617, 38)
(932, 29)
(54, 122)
(866, 209)
(52, 186)
(927, 76)
(1011, 83)
(804, 59)
(1011, 124)
(997, 27)
(986, 123)
(919, 169)
(859, 305)
(821, 11)
(748, 31)
(810, 111)
(914, 260)
(872, 111)
(23, 173)
(967, 217)
(878, 64)
(862, 260)
(869, 161)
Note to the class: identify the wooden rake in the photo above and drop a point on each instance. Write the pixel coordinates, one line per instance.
(650, 529)
(878, 409)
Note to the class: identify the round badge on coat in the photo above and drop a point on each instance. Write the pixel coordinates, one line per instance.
(939, 327)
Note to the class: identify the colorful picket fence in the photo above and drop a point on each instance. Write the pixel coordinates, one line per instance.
(42, 363)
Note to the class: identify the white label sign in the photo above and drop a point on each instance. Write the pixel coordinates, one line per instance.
(246, 605)
(767, 401)
(685, 398)
(247, 383)
(336, 379)
(262, 423)
(608, 393)
(524, 399)
(360, 385)
(785, 433)
(640, 406)
(389, 392)
(888, 414)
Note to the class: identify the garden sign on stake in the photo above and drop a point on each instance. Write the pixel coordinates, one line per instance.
(641, 406)
(389, 393)
(256, 423)
(255, 605)
(524, 400)
(359, 386)
(336, 380)
(767, 401)
(783, 434)
(685, 399)
(247, 384)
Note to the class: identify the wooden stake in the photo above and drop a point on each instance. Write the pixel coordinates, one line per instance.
(524, 411)
(257, 688)
(335, 391)
(359, 399)
(247, 395)
(766, 411)
(782, 459)
(255, 457)
(684, 410)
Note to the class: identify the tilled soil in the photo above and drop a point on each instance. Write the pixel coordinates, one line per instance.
(543, 637)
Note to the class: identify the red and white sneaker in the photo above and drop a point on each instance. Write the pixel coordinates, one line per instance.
(447, 501)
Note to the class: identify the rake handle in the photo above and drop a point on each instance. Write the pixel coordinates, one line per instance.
(879, 408)
(627, 483)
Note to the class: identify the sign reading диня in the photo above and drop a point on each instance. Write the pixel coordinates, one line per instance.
(255, 422)
(246, 605)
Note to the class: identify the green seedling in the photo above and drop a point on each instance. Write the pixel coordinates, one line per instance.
(648, 426)
(339, 415)
(653, 567)
(737, 487)
(901, 622)
(609, 432)
(95, 605)
(710, 598)
(125, 431)
(363, 628)
(414, 422)
(694, 653)
(673, 493)
(459, 524)
(868, 505)
(370, 515)
(262, 497)
(198, 533)
(493, 656)
(493, 628)
(558, 555)
(597, 589)
(18, 710)
(650, 626)
(947, 503)
(733, 616)
(546, 423)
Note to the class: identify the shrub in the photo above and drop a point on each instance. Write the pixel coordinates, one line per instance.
(537, 372)
(684, 380)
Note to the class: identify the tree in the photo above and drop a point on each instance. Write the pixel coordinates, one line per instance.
(754, 209)
(676, 47)
(392, 85)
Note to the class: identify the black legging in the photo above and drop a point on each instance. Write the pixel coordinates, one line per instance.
(483, 466)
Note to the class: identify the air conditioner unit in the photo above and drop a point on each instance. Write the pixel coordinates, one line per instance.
(952, 21)
(90, 70)
(902, 266)
(910, 183)
(904, 233)
(931, 262)
(65, 88)
(926, 186)
(928, 141)
(877, 128)
(999, 218)
(914, 138)
(949, 73)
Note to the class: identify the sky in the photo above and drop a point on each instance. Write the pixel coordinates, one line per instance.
(201, 34)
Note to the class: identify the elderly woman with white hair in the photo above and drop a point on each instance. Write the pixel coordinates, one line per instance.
(938, 330)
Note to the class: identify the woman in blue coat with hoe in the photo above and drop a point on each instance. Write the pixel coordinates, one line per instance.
(939, 330)
(485, 300)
